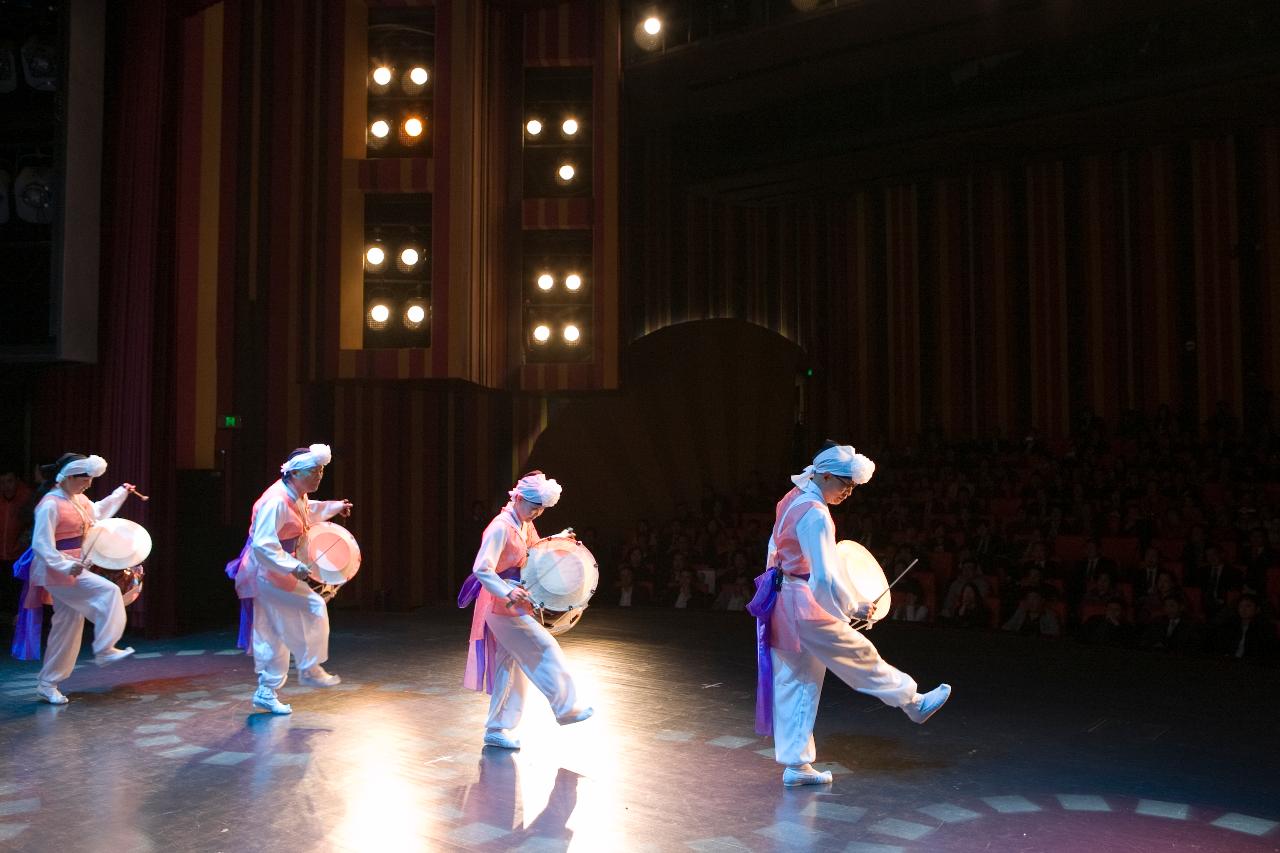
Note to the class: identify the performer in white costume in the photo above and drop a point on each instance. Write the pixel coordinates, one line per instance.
(58, 572)
(805, 607)
(283, 613)
(508, 647)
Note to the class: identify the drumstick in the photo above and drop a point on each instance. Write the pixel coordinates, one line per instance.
(138, 494)
(312, 564)
(886, 590)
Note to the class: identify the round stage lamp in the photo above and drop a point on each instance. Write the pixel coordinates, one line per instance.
(545, 281)
(408, 258)
(572, 334)
(382, 75)
(533, 127)
(542, 333)
(573, 281)
(415, 314)
(566, 172)
(374, 256)
(569, 127)
(652, 25)
(418, 75)
(379, 313)
(380, 129)
(413, 127)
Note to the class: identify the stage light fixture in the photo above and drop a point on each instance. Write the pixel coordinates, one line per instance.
(572, 334)
(565, 173)
(569, 127)
(380, 129)
(533, 127)
(545, 281)
(542, 333)
(413, 127)
(374, 256)
(418, 75)
(652, 25)
(415, 314)
(379, 313)
(408, 258)
(648, 33)
(573, 281)
(382, 75)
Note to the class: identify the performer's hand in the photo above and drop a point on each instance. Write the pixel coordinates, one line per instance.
(518, 595)
(300, 572)
(78, 568)
(128, 487)
(345, 512)
(865, 612)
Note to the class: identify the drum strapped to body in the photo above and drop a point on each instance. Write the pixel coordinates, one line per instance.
(560, 575)
(332, 556)
(117, 547)
(864, 574)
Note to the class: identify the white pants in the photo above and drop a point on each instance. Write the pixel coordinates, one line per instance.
(526, 652)
(94, 598)
(797, 682)
(295, 621)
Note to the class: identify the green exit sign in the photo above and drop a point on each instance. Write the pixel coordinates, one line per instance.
(231, 422)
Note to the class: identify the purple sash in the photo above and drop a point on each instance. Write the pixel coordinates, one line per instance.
(30, 622)
(761, 606)
(245, 638)
(484, 647)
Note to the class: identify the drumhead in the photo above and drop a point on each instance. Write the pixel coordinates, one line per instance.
(863, 573)
(560, 574)
(331, 552)
(117, 543)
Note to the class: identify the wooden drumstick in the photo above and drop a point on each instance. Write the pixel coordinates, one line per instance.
(134, 490)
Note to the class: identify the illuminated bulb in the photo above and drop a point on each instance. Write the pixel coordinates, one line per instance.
(545, 281)
(419, 76)
(573, 281)
(571, 333)
(382, 75)
(375, 256)
(409, 257)
(542, 333)
(416, 314)
(570, 127)
(413, 127)
(652, 26)
(379, 313)
(566, 172)
(534, 127)
(380, 129)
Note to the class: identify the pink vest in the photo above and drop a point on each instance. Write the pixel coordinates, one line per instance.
(70, 525)
(795, 599)
(292, 527)
(515, 553)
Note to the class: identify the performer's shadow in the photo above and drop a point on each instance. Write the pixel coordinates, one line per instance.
(496, 800)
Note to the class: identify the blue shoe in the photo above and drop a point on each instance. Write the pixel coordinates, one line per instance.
(501, 740)
(575, 717)
(928, 704)
(794, 777)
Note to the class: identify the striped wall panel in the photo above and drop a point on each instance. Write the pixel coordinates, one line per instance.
(559, 35)
(396, 175)
(1046, 279)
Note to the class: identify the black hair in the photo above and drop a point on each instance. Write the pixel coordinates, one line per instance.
(284, 475)
(50, 472)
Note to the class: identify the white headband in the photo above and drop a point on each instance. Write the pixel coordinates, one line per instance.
(317, 454)
(536, 488)
(840, 460)
(94, 466)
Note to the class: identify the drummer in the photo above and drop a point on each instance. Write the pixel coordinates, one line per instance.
(508, 647)
(282, 613)
(55, 572)
(809, 630)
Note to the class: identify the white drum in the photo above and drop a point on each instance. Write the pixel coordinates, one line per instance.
(864, 574)
(561, 575)
(332, 555)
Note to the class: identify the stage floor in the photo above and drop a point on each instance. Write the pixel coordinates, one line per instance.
(1044, 747)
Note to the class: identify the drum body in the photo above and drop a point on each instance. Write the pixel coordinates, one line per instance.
(863, 573)
(332, 556)
(561, 575)
(129, 580)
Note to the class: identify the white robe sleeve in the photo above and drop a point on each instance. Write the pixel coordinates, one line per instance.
(770, 553)
(266, 538)
(110, 505)
(816, 533)
(485, 567)
(323, 510)
(44, 541)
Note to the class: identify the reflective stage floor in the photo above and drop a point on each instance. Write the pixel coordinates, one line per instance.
(1043, 747)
